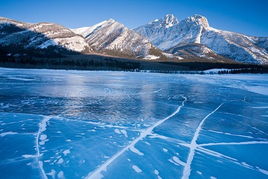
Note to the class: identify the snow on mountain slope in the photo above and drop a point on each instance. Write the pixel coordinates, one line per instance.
(9, 26)
(113, 37)
(196, 29)
(160, 31)
(234, 45)
(85, 31)
(5, 22)
(40, 36)
(261, 42)
(195, 50)
(61, 36)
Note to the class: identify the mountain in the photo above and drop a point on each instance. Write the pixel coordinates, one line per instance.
(169, 32)
(112, 37)
(166, 39)
(39, 36)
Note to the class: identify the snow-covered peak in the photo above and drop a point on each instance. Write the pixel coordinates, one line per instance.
(197, 20)
(168, 32)
(110, 21)
(113, 38)
(86, 31)
(170, 20)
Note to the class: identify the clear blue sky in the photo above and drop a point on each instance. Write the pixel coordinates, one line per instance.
(244, 16)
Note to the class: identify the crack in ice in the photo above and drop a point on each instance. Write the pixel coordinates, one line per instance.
(42, 128)
(230, 134)
(96, 174)
(234, 143)
(194, 145)
(170, 139)
(99, 124)
(220, 155)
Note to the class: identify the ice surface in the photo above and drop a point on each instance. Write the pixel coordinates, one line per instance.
(78, 124)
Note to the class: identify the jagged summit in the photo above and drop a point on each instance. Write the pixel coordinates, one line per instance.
(198, 20)
(170, 20)
(85, 31)
(110, 20)
(167, 21)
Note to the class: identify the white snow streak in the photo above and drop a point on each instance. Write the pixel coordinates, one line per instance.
(193, 146)
(265, 172)
(260, 107)
(234, 143)
(7, 133)
(136, 169)
(136, 151)
(230, 134)
(96, 174)
(175, 160)
(42, 128)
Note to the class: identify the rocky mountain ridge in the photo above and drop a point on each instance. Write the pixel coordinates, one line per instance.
(162, 39)
(196, 30)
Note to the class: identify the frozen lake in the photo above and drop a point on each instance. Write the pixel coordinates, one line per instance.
(78, 124)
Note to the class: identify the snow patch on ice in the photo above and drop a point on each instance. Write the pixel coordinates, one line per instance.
(60, 175)
(52, 173)
(136, 169)
(124, 132)
(175, 160)
(156, 172)
(66, 152)
(43, 137)
(133, 149)
(165, 150)
(117, 131)
(60, 161)
(199, 173)
(178, 161)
